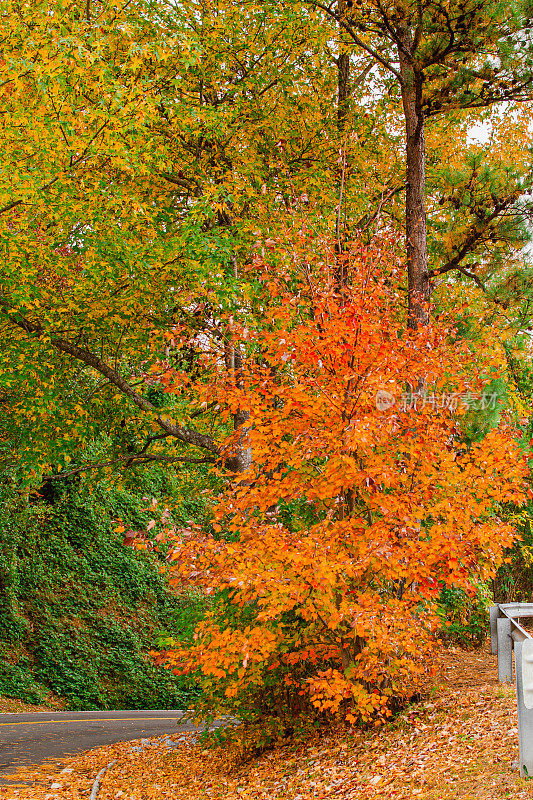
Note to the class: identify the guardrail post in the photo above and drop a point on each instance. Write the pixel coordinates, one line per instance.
(524, 702)
(505, 650)
(494, 611)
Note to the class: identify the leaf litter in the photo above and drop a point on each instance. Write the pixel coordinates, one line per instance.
(459, 742)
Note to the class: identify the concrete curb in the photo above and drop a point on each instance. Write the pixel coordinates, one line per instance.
(96, 784)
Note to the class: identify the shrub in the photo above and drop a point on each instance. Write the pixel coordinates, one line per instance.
(465, 618)
(330, 551)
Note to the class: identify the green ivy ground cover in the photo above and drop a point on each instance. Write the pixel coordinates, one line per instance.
(79, 611)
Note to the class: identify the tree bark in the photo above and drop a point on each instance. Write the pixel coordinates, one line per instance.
(243, 455)
(241, 458)
(343, 88)
(343, 72)
(343, 96)
(415, 207)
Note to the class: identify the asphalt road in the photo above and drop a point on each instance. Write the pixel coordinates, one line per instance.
(35, 737)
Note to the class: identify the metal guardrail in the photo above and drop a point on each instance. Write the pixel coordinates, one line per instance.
(506, 635)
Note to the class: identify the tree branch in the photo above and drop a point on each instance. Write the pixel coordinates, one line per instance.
(72, 164)
(185, 435)
(474, 277)
(471, 241)
(355, 38)
(128, 460)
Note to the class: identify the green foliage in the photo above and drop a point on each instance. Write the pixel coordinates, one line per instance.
(80, 610)
(486, 411)
(514, 579)
(465, 618)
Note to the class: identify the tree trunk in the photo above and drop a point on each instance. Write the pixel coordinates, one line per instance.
(343, 72)
(343, 88)
(415, 207)
(343, 96)
(243, 455)
(241, 459)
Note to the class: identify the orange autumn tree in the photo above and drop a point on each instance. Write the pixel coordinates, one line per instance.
(360, 503)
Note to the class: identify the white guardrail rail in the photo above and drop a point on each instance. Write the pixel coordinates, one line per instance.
(506, 635)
